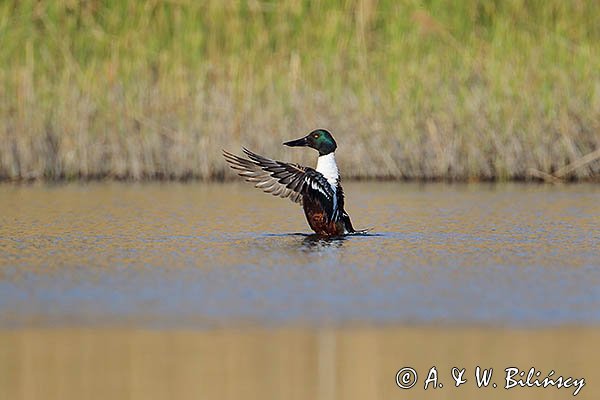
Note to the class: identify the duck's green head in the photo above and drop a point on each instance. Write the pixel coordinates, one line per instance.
(319, 139)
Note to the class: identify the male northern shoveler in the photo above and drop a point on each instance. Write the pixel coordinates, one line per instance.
(318, 190)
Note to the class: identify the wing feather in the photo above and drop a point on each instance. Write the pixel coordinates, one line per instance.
(320, 192)
(286, 180)
(276, 177)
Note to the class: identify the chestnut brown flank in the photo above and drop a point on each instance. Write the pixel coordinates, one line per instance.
(318, 221)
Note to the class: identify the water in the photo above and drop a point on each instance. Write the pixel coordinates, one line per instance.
(194, 291)
(211, 255)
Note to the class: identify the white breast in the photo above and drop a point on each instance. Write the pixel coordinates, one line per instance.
(327, 166)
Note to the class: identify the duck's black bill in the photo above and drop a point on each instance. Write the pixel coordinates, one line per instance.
(297, 142)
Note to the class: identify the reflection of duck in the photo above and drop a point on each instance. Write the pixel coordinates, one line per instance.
(318, 190)
(315, 241)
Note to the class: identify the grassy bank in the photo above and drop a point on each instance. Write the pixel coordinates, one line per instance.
(410, 89)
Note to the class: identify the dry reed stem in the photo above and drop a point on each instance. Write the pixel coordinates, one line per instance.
(558, 176)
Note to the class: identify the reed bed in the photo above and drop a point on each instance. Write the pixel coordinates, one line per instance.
(433, 89)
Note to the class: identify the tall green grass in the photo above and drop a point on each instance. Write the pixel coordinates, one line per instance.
(432, 89)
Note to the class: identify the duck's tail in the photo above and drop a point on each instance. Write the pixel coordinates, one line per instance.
(350, 229)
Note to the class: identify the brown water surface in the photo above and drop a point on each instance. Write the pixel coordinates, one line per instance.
(194, 291)
(200, 255)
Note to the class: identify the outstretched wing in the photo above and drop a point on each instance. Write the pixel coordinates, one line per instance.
(284, 179)
(275, 177)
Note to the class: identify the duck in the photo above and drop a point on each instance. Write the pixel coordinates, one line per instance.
(318, 190)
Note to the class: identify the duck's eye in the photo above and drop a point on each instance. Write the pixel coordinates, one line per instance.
(316, 136)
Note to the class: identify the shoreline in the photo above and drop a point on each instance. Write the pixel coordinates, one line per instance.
(228, 178)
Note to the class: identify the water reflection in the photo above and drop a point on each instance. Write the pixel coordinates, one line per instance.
(351, 363)
(318, 242)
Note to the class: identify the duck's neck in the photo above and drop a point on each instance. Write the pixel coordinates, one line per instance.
(327, 166)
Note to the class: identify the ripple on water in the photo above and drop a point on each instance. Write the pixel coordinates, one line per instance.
(194, 254)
